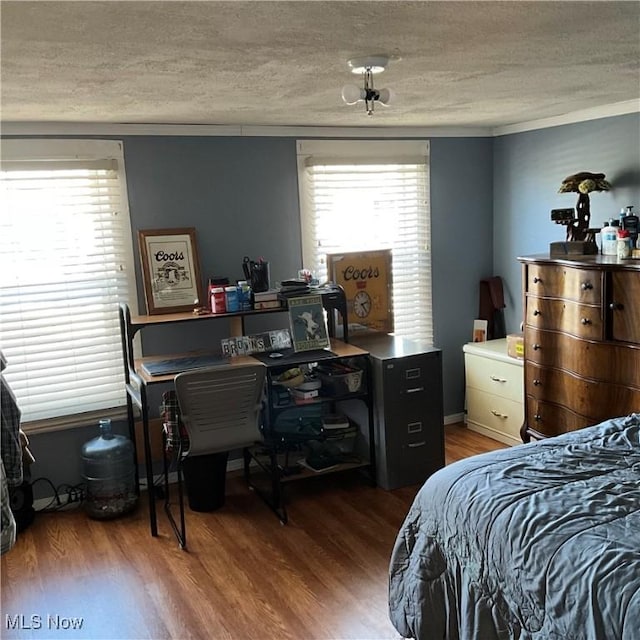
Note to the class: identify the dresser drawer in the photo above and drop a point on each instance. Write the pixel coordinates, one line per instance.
(493, 376)
(551, 420)
(579, 320)
(625, 306)
(497, 414)
(586, 397)
(596, 360)
(554, 281)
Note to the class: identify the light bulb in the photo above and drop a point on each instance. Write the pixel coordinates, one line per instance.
(386, 96)
(351, 93)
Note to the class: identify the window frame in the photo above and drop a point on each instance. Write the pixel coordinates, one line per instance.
(47, 151)
(349, 151)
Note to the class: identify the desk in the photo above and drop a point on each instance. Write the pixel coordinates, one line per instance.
(137, 380)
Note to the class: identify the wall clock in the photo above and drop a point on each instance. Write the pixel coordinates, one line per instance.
(362, 304)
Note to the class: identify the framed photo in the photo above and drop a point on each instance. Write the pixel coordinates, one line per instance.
(480, 330)
(170, 269)
(366, 279)
(308, 323)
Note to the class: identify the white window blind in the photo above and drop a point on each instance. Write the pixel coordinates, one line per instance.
(361, 196)
(65, 240)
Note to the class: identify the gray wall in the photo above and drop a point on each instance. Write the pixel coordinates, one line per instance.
(490, 201)
(528, 170)
(241, 195)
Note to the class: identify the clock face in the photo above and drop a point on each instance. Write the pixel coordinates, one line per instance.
(362, 304)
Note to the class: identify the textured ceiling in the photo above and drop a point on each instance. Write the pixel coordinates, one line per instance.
(482, 64)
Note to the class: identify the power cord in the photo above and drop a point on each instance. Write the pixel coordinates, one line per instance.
(65, 496)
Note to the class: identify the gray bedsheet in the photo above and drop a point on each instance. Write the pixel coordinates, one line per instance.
(535, 541)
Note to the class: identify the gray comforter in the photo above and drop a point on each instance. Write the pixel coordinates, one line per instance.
(536, 541)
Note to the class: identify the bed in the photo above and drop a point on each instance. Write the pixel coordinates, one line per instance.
(538, 541)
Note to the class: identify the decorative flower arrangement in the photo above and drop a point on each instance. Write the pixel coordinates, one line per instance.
(583, 183)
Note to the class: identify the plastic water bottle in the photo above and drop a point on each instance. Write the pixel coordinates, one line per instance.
(109, 474)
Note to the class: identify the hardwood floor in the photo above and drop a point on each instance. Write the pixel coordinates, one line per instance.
(323, 575)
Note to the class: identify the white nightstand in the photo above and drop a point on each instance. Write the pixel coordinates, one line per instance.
(494, 390)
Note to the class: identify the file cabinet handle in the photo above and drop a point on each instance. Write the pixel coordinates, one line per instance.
(415, 445)
(415, 390)
(497, 414)
(496, 379)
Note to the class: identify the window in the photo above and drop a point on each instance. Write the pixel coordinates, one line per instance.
(368, 195)
(65, 239)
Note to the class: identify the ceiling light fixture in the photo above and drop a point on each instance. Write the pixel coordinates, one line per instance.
(367, 66)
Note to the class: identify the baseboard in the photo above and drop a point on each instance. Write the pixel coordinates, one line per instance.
(232, 465)
(43, 503)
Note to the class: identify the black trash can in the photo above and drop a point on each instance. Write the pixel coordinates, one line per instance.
(205, 477)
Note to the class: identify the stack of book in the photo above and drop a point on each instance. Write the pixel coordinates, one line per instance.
(294, 288)
(266, 299)
(301, 397)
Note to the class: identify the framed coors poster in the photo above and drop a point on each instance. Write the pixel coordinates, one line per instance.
(366, 279)
(170, 269)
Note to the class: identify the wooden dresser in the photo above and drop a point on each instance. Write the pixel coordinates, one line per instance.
(582, 342)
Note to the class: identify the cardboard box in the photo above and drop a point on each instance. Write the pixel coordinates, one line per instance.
(515, 345)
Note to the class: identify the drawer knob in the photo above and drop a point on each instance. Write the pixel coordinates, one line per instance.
(536, 312)
(536, 347)
(497, 414)
(585, 321)
(537, 417)
(536, 383)
(496, 379)
(585, 286)
(536, 280)
(616, 306)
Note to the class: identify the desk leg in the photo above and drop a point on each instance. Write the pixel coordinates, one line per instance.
(131, 423)
(236, 326)
(148, 461)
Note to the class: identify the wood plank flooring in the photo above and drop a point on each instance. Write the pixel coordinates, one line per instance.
(245, 576)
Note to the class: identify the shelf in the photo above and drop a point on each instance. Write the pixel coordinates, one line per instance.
(172, 318)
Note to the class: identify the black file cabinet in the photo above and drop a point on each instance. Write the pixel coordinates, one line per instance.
(408, 408)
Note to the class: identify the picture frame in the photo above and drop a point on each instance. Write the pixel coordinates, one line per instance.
(366, 277)
(480, 330)
(308, 323)
(170, 270)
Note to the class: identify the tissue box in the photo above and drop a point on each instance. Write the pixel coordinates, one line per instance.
(515, 345)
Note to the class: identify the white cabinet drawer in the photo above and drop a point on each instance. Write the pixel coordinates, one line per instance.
(494, 376)
(495, 416)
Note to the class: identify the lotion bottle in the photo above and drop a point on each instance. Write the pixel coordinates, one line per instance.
(609, 238)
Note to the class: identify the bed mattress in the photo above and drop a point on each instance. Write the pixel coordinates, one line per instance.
(539, 541)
